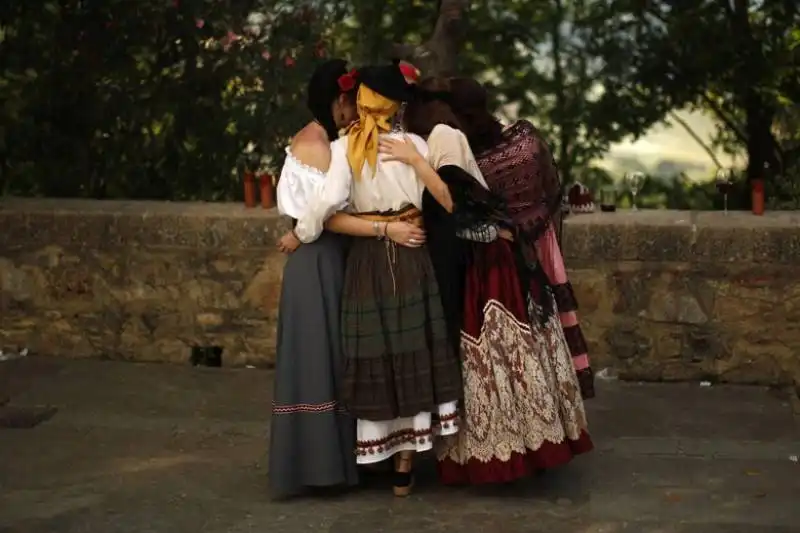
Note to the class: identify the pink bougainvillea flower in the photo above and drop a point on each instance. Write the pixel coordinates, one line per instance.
(266, 55)
(200, 23)
(229, 39)
(289, 61)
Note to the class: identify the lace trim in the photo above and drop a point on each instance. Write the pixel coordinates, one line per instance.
(520, 390)
(302, 166)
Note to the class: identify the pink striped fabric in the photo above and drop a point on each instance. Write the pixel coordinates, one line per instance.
(549, 254)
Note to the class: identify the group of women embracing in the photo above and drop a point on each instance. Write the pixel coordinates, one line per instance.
(425, 304)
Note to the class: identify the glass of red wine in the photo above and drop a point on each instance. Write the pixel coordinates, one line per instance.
(724, 184)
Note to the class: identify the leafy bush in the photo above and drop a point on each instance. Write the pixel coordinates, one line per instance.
(152, 98)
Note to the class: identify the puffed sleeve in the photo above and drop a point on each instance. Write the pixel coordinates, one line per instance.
(330, 197)
(289, 191)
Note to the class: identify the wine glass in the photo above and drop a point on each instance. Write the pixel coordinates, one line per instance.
(724, 183)
(634, 180)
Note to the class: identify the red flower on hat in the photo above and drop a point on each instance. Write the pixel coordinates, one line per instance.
(347, 82)
(410, 72)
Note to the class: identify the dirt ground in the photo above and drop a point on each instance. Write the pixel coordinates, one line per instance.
(166, 449)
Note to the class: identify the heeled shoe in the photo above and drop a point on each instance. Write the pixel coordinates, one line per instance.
(403, 480)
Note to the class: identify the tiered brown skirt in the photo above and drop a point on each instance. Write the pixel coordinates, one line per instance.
(399, 361)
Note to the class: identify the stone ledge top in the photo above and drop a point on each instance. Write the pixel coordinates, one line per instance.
(699, 219)
(646, 235)
(143, 208)
(40, 222)
(683, 236)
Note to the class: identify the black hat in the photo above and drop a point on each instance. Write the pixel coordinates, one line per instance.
(388, 81)
(323, 90)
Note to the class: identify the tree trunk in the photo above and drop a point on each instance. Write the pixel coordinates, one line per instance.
(438, 56)
(762, 159)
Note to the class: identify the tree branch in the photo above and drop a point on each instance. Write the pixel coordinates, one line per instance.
(674, 116)
(438, 55)
(727, 120)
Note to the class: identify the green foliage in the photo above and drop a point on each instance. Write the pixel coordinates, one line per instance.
(737, 60)
(150, 99)
(160, 98)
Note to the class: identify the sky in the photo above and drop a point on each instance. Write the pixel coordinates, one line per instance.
(669, 143)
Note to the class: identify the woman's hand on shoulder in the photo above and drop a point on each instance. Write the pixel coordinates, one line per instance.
(288, 243)
(405, 234)
(403, 150)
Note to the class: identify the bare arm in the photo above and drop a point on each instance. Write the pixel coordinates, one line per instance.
(438, 189)
(405, 151)
(402, 233)
(347, 224)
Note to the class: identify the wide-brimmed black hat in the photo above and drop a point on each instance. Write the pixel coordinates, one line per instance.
(323, 89)
(386, 80)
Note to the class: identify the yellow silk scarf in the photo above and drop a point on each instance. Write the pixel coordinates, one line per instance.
(375, 112)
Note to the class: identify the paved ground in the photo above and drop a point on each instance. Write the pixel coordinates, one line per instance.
(137, 448)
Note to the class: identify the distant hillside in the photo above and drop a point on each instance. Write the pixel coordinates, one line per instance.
(618, 165)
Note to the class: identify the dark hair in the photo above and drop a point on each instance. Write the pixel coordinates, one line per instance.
(323, 90)
(430, 107)
(470, 103)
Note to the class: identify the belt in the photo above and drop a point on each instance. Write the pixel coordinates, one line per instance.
(411, 214)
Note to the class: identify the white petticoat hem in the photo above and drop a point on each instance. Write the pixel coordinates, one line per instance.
(376, 441)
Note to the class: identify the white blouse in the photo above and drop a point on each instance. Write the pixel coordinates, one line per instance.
(391, 187)
(298, 182)
(449, 146)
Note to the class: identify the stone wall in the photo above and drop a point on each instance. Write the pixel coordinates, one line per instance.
(663, 294)
(139, 280)
(676, 295)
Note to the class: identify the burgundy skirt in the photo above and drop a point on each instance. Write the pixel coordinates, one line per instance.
(522, 407)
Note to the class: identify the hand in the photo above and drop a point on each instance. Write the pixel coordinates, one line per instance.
(399, 150)
(288, 243)
(506, 234)
(405, 234)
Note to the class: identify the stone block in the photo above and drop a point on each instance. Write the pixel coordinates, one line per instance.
(141, 281)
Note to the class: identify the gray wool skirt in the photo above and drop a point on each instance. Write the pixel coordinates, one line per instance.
(312, 438)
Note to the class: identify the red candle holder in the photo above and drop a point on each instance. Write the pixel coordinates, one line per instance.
(267, 187)
(757, 197)
(249, 189)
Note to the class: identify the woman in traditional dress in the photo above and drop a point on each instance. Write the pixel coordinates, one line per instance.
(402, 380)
(523, 409)
(518, 165)
(311, 437)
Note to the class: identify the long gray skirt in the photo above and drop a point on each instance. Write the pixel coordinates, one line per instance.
(312, 439)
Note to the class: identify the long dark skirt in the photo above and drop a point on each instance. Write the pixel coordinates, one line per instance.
(403, 377)
(522, 404)
(311, 439)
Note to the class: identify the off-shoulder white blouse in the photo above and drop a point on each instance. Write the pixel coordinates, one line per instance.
(298, 182)
(391, 187)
